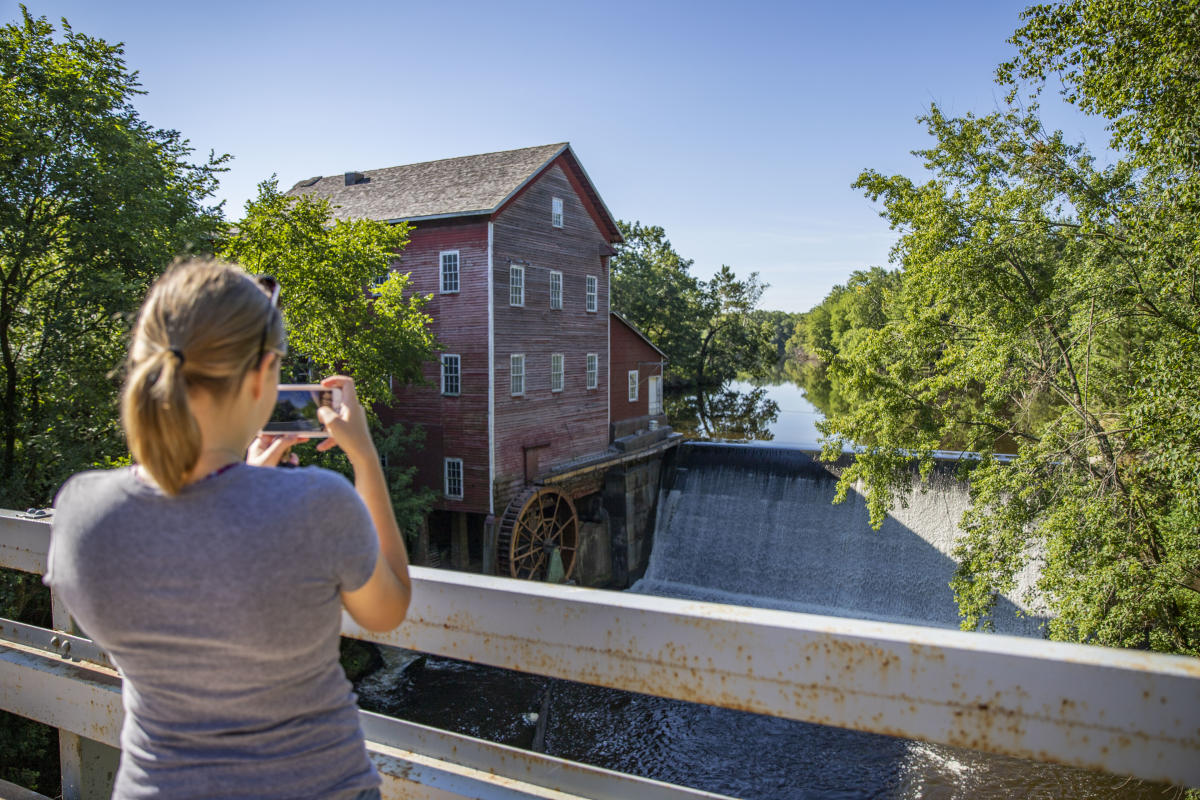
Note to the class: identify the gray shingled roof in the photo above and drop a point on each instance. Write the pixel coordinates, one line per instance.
(449, 187)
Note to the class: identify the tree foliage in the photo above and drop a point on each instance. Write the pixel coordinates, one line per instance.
(707, 329)
(1051, 301)
(732, 340)
(831, 325)
(94, 202)
(653, 287)
(341, 315)
(346, 310)
(778, 327)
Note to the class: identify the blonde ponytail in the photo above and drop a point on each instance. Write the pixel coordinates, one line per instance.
(163, 434)
(200, 328)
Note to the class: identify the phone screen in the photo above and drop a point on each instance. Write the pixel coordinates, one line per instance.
(296, 410)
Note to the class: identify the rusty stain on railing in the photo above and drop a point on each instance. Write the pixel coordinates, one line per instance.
(1125, 712)
(1113, 710)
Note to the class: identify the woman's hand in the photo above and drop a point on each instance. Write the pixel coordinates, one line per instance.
(348, 426)
(268, 450)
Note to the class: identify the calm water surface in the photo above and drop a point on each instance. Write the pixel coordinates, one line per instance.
(739, 411)
(796, 423)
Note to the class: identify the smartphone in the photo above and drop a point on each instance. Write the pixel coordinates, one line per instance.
(296, 407)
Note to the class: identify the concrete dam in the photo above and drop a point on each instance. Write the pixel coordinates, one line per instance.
(756, 525)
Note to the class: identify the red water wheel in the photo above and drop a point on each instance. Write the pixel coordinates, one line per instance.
(538, 523)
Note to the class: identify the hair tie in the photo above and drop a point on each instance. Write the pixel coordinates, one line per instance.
(178, 354)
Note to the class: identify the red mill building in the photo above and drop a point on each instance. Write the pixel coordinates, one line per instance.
(514, 249)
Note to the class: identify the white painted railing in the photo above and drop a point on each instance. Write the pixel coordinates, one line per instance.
(1119, 711)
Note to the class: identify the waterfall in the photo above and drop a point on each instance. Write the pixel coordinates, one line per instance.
(755, 525)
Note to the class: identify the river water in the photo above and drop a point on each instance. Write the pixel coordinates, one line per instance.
(729, 752)
(740, 411)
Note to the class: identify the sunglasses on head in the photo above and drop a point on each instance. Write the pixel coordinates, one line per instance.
(271, 287)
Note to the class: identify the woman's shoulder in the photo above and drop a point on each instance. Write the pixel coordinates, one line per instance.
(317, 477)
(313, 483)
(93, 483)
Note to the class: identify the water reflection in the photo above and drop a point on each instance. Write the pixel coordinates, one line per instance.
(813, 378)
(785, 407)
(731, 413)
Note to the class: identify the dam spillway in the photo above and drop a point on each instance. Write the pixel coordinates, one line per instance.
(756, 525)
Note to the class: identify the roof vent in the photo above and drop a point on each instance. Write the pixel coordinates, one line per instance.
(354, 178)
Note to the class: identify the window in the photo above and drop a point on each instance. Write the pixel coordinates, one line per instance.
(453, 478)
(654, 401)
(556, 372)
(451, 374)
(556, 212)
(516, 374)
(591, 293)
(592, 361)
(378, 281)
(633, 385)
(516, 285)
(449, 271)
(555, 289)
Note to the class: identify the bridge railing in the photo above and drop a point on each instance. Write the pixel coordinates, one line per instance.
(1118, 711)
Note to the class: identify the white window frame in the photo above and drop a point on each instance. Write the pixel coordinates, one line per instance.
(450, 466)
(451, 374)
(516, 374)
(556, 212)
(556, 284)
(450, 286)
(654, 403)
(516, 285)
(633, 385)
(556, 372)
(593, 370)
(378, 281)
(591, 294)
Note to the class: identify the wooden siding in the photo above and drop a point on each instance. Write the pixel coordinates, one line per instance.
(630, 351)
(456, 426)
(558, 426)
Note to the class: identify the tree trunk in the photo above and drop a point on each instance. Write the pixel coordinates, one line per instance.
(8, 406)
(703, 358)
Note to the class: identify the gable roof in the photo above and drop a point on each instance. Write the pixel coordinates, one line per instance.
(617, 315)
(451, 187)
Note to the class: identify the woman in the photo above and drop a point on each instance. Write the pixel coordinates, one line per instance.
(215, 582)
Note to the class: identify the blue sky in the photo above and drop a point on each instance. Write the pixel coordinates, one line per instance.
(738, 127)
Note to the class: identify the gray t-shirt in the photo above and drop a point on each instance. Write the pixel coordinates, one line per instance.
(221, 608)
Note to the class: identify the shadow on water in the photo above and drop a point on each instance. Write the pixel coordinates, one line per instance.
(753, 525)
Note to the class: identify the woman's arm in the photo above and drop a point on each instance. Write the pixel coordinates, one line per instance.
(381, 603)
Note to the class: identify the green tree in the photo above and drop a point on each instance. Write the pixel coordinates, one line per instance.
(706, 328)
(653, 287)
(94, 202)
(779, 327)
(846, 310)
(345, 306)
(732, 341)
(1052, 302)
(346, 309)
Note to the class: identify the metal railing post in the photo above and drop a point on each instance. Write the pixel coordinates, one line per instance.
(87, 767)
